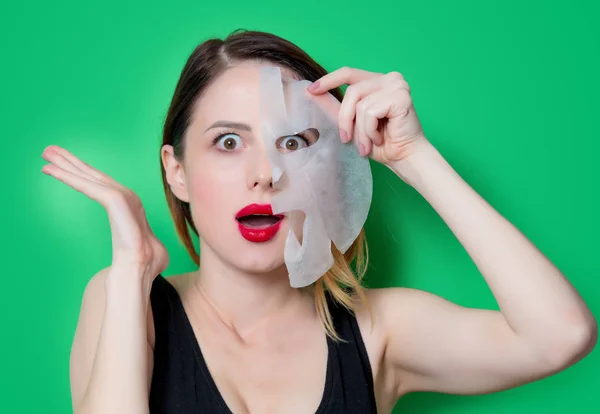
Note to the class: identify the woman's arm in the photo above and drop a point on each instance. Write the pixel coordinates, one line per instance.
(111, 359)
(110, 355)
(543, 325)
(431, 344)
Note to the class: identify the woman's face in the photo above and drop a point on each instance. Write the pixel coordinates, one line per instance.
(226, 169)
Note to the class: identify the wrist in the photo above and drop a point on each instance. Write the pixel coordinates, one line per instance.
(421, 159)
(128, 277)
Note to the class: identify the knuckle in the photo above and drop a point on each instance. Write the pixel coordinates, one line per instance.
(402, 91)
(361, 107)
(395, 75)
(345, 70)
(402, 84)
(351, 92)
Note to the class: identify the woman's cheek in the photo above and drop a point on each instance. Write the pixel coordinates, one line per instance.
(215, 186)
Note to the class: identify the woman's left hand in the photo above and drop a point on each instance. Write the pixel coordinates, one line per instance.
(378, 111)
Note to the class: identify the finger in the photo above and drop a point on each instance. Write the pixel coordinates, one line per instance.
(353, 95)
(82, 166)
(370, 121)
(84, 185)
(363, 142)
(374, 108)
(339, 77)
(54, 157)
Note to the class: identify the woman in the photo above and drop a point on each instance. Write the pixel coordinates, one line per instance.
(233, 335)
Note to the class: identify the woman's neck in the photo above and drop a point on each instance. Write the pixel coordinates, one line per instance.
(248, 303)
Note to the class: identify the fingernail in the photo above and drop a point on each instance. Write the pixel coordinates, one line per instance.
(361, 149)
(343, 136)
(313, 86)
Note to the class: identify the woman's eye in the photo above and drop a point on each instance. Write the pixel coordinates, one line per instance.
(292, 143)
(228, 142)
(298, 141)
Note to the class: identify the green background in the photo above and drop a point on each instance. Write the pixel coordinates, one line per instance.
(506, 90)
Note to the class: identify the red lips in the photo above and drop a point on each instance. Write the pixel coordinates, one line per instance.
(257, 223)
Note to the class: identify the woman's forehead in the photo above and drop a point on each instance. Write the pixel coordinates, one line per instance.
(234, 94)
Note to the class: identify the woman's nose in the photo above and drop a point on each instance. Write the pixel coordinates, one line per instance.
(264, 180)
(260, 174)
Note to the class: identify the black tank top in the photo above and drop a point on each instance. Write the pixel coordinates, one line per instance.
(181, 382)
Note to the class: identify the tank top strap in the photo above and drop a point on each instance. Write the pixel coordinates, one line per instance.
(353, 368)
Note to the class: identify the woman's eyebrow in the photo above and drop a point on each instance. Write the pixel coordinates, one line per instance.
(230, 124)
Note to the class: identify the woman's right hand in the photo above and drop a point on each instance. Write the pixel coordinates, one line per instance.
(133, 242)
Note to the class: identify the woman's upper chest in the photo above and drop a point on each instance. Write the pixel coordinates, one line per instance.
(293, 369)
(278, 369)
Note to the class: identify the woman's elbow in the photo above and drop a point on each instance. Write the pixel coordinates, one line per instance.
(573, 343)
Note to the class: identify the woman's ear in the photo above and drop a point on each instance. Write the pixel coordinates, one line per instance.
(174, 173)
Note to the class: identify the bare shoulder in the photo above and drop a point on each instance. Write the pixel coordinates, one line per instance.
(180, 282)
(371, 329)
(373, 321)
(373, 315)
(382, 304)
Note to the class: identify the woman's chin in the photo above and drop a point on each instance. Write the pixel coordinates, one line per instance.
(265, 257)
(261, 265)
(246, 256)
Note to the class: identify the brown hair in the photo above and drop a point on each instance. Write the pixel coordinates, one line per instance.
(205, 63)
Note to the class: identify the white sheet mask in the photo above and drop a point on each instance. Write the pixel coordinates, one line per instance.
(328, 181)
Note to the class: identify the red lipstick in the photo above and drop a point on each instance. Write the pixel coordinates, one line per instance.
(257, 223)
